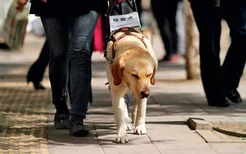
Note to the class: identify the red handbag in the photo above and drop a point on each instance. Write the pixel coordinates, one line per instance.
(98, 36)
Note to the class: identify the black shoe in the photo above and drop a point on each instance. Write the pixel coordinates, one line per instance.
(219, 103)
(37, 85)
(234, 96)
(4, 46)
(78, 129)
(61, 121)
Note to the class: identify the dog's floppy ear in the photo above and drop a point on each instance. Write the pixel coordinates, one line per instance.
(117, 71)
(152, 79)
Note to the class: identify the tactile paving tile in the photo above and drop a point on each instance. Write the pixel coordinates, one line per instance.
(23, 112)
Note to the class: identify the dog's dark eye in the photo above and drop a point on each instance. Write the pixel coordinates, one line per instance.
(149, 75)
(136, 76)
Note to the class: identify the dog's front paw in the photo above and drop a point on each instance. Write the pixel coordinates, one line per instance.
(122, 137)
(140, 130)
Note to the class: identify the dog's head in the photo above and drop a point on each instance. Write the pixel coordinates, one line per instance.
(136, 69)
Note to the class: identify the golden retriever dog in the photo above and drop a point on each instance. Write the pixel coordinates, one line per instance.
(131, 64)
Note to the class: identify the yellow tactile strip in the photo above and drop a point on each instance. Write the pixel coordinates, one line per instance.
(23, 117)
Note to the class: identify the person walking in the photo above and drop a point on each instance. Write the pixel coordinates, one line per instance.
(69, 35)
(180, 28)
(220, 82)
(36, 71)
(165, 12)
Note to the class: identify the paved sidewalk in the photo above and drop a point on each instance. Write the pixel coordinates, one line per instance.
(26, 115)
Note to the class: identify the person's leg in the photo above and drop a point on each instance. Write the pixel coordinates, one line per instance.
(180, 27)
(159, 9)
(36, 71)
(171, 16)
(209, 26)
(82, 29)
(57, 36)
(233, 66)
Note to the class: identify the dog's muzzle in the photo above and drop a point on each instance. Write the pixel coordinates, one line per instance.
(145, 93)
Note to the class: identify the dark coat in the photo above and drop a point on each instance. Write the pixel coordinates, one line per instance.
(60, 8)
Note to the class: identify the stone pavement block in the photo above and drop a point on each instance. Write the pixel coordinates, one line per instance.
(180, 147)
(155, 110)
(131, 149)
(177, 138)
(172, 132)
(229, 148)
(211, 118)
(238, 119)
(98, 110)
(106, 134)
(76, 149)
(199, 124)
(208, 136)
(165, 118)
(137, 144)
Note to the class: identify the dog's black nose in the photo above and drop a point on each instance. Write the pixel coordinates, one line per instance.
(145, 93)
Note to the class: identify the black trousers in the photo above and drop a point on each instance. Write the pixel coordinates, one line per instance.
(217, 78)
(37, 69)
(164, 12)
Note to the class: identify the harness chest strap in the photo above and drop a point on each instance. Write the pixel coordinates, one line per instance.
(127, 31)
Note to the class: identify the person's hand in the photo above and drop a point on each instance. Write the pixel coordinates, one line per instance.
(21, 4)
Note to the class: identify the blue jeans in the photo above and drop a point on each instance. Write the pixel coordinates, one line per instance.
(70, 40)
(218, 79)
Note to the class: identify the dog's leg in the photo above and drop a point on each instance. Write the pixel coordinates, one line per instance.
(128, 120)
(119, 108)
(140, 128)
(134, 112)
